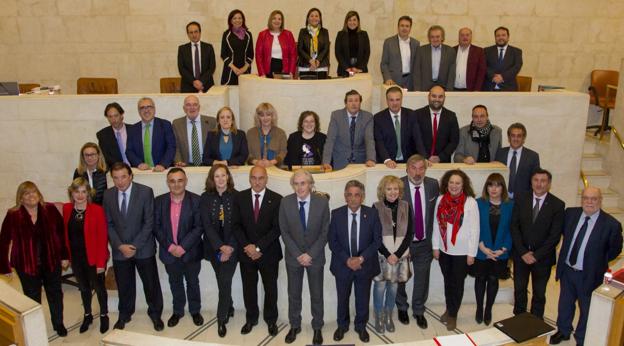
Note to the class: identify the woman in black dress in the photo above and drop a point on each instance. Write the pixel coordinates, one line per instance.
(305, 147)
(92, 167)
(352, 47)
(237, 49)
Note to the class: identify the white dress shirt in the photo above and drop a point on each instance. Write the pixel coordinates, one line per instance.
(590, 227)
(510, 156)
(276, 48)
(306, 207)
(120, 196)
(436, 57)
(467, 242)
(461, 67)
(406, 54)
(260, 198)
(193, 56)
(189, 135)
(349, 220)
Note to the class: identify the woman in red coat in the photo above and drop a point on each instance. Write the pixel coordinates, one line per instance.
(86, 238)
(276, 50)
(32, 232)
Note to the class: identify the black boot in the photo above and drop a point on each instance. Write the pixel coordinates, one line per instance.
(86, 322)
(103, 323)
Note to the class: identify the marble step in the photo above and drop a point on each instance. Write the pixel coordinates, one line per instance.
(591, 162)
(599, 178)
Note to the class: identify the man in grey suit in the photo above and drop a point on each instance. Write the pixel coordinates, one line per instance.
(398, 58)
(435, 63)
(421, 196)
(304, 223)
(521, 160)
(350, 138)
(479, 141)
(190, 133)
(129, 211)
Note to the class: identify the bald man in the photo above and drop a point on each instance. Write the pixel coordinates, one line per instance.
(591, 238)
(470, 65)
(438, 126)
(190, 133)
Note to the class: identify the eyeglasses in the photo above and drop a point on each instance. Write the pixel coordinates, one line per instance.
(590, 199)
(142, 108)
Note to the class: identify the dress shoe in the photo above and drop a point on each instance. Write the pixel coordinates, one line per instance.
(479, 316)
(198, 319)
(403, 317)
(120, 324)
(221, 330)
(444, 317)
(273, 329)
(158, 324)
(558, 337)
(451, 323)
(363, 334)
(248, 327)
(317, 339)
(86, 322)
(292, 335)
(61, 330)
(339, 334)
(104, 324)
(421, 321)
(487, 317)
(173, 321)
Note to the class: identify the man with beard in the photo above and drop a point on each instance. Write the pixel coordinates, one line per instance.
(438, 126)
(503, 63)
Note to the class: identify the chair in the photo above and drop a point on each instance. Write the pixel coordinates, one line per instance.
(524, 83)
(602, 90)
(24, 88)
(96, 86)
(170, 85)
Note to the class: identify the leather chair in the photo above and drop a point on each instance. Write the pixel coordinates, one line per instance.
(96, 86)
(170, 85)
(602, 90)
(24, 88)
(524, 83)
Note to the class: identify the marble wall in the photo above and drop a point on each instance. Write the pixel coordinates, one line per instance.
(135, 41)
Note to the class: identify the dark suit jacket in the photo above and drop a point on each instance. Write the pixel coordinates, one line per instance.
(509, 69)
(432, 191)
(189, 228)
(185, 67)
(265, 233)
(369, 243)
(422, 74)
(108, 144)
(475, 69)
(529, 162)
(541, 236)
(386, 140)
(448, 132)
(163, 143)
(240, 150)
(137, 227)
(604, 245)
(303, 48)
(181, 136)
(343, 56)
(210, 208)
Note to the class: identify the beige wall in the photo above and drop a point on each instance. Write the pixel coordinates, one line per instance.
(56, 41)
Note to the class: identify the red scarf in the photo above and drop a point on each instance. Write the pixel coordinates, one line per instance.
(450, 211)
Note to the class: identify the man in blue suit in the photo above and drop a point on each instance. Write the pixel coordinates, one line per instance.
(177, 226)
(354, 238)
(151, 142)
(591, 238)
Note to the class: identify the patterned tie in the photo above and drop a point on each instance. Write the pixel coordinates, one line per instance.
(419, 228)
(195, 145)
(122, 147)
(124, 204)
(352, 134)
(512, 171)
(302, 215)
(147, 146)
(197, 65)
(354, 245)
(397, 133)
(576, 247)
(256, 210)
(536, 209)
(435, 134)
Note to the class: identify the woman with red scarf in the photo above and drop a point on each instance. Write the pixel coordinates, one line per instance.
(455, 238)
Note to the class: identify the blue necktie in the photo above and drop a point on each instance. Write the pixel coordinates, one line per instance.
(500, 56)
(576, 247)
(302, 215)
(124, 204)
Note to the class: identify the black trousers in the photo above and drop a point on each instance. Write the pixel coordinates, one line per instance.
(483, 284)
(126, 284)
(89, 280)
(224, 272)
(249, 276)
(454, 270)
(539, 274)
(276, 67)
(179, 272)
(51, 282)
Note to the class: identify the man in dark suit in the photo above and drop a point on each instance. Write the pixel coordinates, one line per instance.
(196, 62)
(255, 222)
(178, 229)
(521, 160)
(536, 225)
(438, 126)
(422, 195)
(398, 57)
(112, 139)
(190, 133)
(435, 63)
(591, 238)
(354, 240)
(151, 142)
(304, 223)
(503, 63)
(470, 63)
(397, 134)
(129, 211)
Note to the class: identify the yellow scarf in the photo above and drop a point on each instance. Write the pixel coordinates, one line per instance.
(314, 32)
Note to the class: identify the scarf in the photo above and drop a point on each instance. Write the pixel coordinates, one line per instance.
(239, 32)
(481, 135)
(450, 210)
(314, 32)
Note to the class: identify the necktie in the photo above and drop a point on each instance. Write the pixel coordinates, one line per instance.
(122, 147)
(352, 134)
(435, 134)
(397, 133)
(256, 209)
(147, 146)
(124, 204)
(195, 145)
(354, 245)
(576, 247)
(512, 171)
(536, 209)
(302, 215)
(197, 68)
(500, 55)
(419, 227)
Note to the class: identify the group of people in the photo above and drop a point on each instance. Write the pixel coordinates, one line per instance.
(404, 61)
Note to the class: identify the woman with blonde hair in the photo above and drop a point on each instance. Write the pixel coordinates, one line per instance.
(226, 144)
(267, 142)
(276, 50)
(92, 167)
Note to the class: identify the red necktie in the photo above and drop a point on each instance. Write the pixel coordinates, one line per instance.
(256, 209)
(435, 134)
